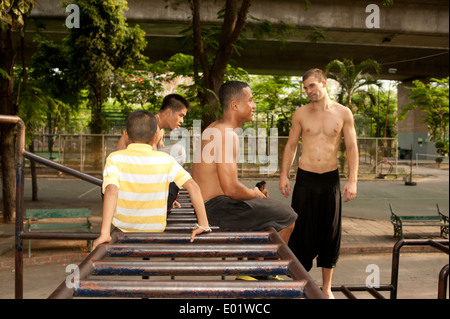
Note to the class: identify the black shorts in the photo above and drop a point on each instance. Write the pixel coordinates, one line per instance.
(317, 201)
(252, 214)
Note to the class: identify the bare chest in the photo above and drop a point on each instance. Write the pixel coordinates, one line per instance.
(324, 124)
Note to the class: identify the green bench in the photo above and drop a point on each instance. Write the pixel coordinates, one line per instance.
(35, 222)
(421, 221)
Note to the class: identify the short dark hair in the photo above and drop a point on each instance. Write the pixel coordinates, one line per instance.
(175, 102)
(318, 73)
(228, 91)
(141, 126)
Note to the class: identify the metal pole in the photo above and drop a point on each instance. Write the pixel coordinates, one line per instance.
(18, 254)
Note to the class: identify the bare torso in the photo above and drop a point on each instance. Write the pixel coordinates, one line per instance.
(204, 168)
(321, 132)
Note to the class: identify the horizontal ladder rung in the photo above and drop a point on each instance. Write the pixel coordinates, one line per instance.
(183, 237)
(186, 289)
(190, 268)
(191, 250)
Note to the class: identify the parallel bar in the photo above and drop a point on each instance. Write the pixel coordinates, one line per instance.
(190, 268)
(188, 289)
(375, 293)
(63, 168)
(198, 250)
(348, 293)
(183, 237)
(442, 286)
(184, 226)
(64, 291)
(56, 235)
(296, 269)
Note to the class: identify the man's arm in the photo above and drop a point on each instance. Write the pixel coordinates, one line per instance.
(199, 207)
(351, 147)
(109, 207)
(289, 153)
(227, 171)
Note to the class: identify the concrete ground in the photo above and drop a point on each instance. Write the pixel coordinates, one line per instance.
(366, 244)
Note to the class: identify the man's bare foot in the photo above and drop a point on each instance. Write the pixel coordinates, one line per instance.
(328, 293)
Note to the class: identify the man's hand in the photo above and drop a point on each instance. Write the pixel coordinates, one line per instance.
(259, 194)
(285, 186)
(350, 189)
(199, 230)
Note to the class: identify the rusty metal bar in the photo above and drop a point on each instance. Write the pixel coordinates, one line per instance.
(442, 286)
(55, 235)
(190, 268)
(183, 226)
(85, 270)
(183, 237)
(63, 168)
(347, 293)
(436, 243)
(20, 181)
(375, 293)
(190, 250)
(296, 269)
(187, 289)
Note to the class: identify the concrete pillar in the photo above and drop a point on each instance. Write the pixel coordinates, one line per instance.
(412, 129)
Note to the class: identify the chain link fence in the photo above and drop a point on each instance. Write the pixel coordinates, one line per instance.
(260, 156)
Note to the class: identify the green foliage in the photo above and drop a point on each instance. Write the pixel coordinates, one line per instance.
(433, 99)
(12, 13)
(353, 79)
(101, 48)
(277, 97)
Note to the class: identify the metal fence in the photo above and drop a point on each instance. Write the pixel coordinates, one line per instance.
(260, 155)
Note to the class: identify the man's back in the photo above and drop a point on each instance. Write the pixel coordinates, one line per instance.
(142, 177)
(204, 168)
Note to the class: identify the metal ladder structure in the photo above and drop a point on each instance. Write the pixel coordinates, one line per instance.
(221, 254)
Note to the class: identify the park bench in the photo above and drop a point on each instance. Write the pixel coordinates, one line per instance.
(419, 221)
(40, 219)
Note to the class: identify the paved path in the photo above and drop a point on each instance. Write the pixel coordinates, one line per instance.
(367, 235)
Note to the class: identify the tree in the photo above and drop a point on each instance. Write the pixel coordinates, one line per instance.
(12, 16)
(353, 79)
(278, 96)
(215, 46)
(103, 46)
(433, 99)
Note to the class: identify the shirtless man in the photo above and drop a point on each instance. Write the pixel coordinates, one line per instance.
(230, 204)
(317, 197)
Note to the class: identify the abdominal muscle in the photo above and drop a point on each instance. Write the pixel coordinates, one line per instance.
(319, 155)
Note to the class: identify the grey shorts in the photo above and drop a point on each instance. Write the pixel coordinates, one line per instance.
(252, 214)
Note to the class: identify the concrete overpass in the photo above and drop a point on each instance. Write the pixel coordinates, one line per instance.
(413, 38)
(412, 35)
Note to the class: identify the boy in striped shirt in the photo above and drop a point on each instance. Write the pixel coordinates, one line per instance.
(136, 182)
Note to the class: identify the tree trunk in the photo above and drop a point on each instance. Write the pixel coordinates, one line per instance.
(234, 21)
(7, 107)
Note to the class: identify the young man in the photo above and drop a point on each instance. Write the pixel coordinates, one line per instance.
(230, 204)
(136, 182)
(317, 197)
(173, 109)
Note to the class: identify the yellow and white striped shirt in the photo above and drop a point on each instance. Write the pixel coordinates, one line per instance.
(143, 177)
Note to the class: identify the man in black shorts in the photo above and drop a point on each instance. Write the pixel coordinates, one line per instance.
(317, 196)
(230, 204)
